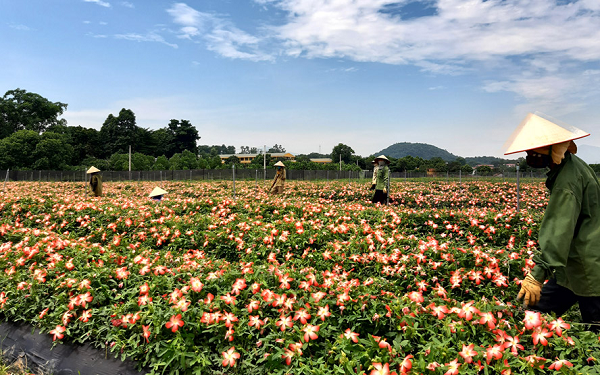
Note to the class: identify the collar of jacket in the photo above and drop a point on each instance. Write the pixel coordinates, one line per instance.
(553, 173)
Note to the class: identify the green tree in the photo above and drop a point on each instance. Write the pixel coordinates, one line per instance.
(232, 160)
(183, 137)
(119, 162)
(161, 164)
(17, 150)
(484, 170)
(203, 163)
(344, 151)
(276, 149)
(189, 160)
(215, 162)
(85, 142)
(466, 169)
(118, 133)
(163, 138)
(22, 110)
(53, 152)
(141, 162)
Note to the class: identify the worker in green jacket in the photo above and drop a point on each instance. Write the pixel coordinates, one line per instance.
(95, 181)
(569, 236)
(382, 180)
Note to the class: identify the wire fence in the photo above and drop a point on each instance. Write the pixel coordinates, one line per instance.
(252, 174)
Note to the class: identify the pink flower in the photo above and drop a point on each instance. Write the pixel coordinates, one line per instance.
(556, 365)
(229, 357)
(175, 322)
(381, 369)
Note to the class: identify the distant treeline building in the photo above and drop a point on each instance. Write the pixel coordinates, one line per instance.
(285, 156)
(247, 158)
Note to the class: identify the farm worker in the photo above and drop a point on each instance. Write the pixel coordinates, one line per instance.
(374, 179)
(382, 180)
(95, 181)
(569, 236)
(157, 193)
(279, 180)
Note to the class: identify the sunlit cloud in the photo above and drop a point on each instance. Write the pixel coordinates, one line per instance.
(219, 34)
(99, 2)
(150, 37)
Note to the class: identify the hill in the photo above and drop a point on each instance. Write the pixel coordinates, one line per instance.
(427, 151)
(422, 150)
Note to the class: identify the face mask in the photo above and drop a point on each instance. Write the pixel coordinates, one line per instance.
(535, 160)
(381, 163)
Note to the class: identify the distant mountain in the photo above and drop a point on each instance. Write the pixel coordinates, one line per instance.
(589, 154)
(427, 151)
(422, 150)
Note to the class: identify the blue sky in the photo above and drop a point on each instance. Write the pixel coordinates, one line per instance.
(309, 74)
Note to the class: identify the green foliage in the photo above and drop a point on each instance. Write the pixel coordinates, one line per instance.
(183, 136)
(17, 150)
(343, 151)
(484, 170)
(276, 149)
(161, 164)
(53, 152)
(118, 133)
(22, 110)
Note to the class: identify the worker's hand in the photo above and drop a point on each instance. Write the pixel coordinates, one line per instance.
(531, 290)
(384, 190)
(372, 187)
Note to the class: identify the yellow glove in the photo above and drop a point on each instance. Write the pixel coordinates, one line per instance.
(531, 290)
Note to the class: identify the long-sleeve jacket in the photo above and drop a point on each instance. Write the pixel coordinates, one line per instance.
(96, 185)
(383, 178)
(279, 178)
(569, 236)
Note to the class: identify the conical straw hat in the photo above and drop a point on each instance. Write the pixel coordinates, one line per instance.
(382, 157)
(279, 164)
(157, 191)
(93, 170)
(536, 131)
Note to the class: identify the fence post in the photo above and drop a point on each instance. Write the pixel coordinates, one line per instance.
(5, 179)
(233, 169)
(518, 194)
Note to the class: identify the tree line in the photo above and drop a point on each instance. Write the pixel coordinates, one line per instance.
(33, 136)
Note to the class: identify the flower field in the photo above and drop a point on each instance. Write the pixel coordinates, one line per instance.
(317, 281)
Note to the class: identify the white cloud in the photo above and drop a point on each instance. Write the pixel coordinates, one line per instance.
(549, 41)
(99, 2)
(127, 4)
(20, 27)
(150, 37)
(218, 33)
